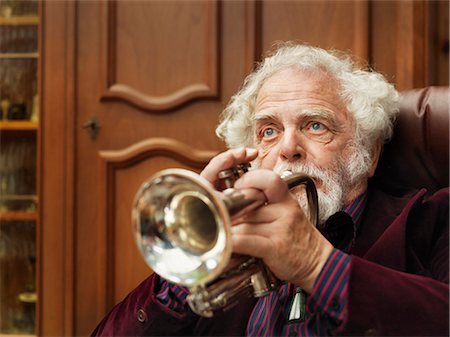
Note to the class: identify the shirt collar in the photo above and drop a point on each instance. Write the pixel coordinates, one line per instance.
(356, 208)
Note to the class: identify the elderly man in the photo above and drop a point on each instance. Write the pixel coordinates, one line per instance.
(376, 264)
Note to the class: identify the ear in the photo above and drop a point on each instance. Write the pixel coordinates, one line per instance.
(376, 153)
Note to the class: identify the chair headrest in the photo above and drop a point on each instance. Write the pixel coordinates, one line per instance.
(418, 155)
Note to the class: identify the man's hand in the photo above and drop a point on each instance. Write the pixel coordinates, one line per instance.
(226, 160)
(280, 233)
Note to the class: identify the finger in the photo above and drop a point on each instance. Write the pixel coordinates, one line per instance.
(227, 160)
(263, 214)
(253, 245)
(250, 199)
(257, 229)
(269, 182)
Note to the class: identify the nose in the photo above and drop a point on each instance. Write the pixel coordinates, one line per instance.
(291, 148)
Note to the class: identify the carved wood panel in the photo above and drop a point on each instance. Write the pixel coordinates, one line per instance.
(329, 24)
(144, 42)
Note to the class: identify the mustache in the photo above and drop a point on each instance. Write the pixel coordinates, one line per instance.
(315, 172)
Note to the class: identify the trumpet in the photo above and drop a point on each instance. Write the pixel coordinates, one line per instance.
(182, 227)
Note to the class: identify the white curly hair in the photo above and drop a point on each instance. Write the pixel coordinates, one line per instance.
(369, 97)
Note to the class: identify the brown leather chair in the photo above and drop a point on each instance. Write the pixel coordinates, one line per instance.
(418, 155)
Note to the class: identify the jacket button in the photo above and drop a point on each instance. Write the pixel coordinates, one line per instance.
(141, 316)
(335, 304)
(371, 332)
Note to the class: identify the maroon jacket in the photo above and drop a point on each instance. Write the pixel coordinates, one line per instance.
(398, 280)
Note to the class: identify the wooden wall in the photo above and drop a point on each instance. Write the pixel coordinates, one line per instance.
(155, 76)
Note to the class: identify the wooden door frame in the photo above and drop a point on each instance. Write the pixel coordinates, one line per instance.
(56, 244)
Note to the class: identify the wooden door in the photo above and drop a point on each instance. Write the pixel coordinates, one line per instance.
(132, 87)
(154, 76)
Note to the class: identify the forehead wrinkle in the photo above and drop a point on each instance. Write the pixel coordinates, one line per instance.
(301, 114)
(263, 115)
(318, 113)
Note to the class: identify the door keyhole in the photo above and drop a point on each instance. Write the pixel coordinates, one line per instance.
(92, 126)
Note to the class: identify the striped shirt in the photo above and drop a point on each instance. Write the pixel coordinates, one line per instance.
(326, 307)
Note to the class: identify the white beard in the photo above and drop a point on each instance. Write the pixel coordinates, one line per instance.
(331, 191)
(334, 183)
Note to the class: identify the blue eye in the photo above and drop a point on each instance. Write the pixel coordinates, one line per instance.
(317, 126)
(269, 132)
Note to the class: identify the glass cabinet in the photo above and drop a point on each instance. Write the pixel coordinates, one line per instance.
(19, 127)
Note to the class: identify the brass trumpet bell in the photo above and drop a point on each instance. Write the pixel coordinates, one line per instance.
(182, 226)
